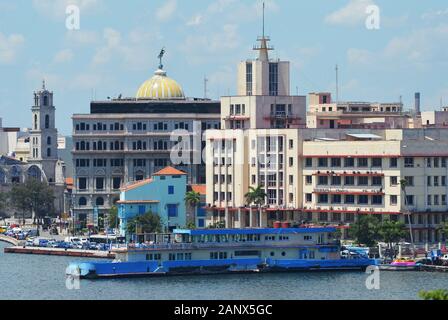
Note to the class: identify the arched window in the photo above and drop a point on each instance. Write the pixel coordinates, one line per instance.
(48, 152)
(35, 122)
(99, 201)
(49, 141)
(45, 100)
(47, 122)
(82, 202)
(15, 174)
(34, 173)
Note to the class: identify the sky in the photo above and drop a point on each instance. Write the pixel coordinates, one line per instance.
(395, 49)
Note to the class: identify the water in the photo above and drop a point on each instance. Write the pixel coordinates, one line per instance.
(43, 277)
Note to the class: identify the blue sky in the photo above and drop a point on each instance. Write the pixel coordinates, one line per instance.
(117, 45)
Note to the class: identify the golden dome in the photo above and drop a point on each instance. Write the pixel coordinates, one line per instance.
(160, 87)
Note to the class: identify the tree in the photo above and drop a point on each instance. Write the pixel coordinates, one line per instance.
(193, 199)
(443, 228)
(147, 223)
(4, 197)
(440, 295)
(256, 196)
(391, 232)
(33, 197)
(365, 230)
(404, 183)
(113, 217)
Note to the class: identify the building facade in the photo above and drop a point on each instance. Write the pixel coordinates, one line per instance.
(128, 140)
(328, 174)
(163, 194)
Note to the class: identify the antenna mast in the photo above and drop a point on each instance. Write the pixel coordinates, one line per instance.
(337, 84)
(205, 87)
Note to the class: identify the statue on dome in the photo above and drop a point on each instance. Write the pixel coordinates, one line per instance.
(160, 56)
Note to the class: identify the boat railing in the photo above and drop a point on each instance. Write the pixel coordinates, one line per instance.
(193, 246)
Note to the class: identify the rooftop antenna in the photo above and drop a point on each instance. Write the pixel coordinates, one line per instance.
(337, 84)
(43, 84)
(263, 48)
(205, 87)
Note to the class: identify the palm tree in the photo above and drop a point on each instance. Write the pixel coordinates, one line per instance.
(256, 196)
(192, 199)
(404, 184)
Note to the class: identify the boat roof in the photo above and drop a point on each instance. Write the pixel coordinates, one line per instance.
(252, 231)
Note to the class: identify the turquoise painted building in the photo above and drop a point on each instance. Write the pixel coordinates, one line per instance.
(163, 194)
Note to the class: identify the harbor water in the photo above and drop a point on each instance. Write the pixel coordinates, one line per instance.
(43, 277)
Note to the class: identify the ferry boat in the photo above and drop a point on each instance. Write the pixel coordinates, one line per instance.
(212, 251)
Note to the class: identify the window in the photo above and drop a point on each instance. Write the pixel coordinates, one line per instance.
(393, 200)
(170, 189)
(308, 162)
(291, 144)
(82, 183)
(322, 162)
(409, 162)
(393, 162)
(443, 200)
(349, 181)
(323, 216)
(100, 201)
(428, 200)
(443, 181)
(410, 181)
(48, 152)
(273, 79)
(436, 162)
(47, 122)
(309, 197)
(436, 181)
(410, 200)
(49, 141)
(377, 200)
(363, 162)
(116, 183)
(363, 181)
(394, 181)
(323, 180)
(428, 162)
(349, 162)
(436, 200)
(323, 198)
(428, 181)
(377, 162)
(363, 199)
(336, 162)
(336, 180)
(443, 164)
(377, 181)
(82, 202)
(349, 199)
(336, 199)
(99, 182)
(172, 210)
(308, 180)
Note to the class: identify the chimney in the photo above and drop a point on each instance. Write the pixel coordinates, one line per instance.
(417, 103)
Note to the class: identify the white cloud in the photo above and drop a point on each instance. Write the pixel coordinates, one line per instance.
(423, 48)
(9, 47)
(165, 12)
(82, 37)
(434, 14)
(195, 20)
(65, 55)
(352, 14)
(56, 9)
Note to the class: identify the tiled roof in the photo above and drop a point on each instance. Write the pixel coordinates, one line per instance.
(136, 185)
(169, 171)
(199, 188)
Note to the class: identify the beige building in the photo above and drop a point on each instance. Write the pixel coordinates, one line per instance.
(329, 175)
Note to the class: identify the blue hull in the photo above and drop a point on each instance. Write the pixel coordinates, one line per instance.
(197, 267)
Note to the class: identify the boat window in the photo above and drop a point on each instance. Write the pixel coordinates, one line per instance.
(180, 256)
(272, 253)
(172, 257)
(247, 253)
(188, 256)
(283, 254)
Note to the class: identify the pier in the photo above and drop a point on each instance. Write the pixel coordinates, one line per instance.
(61, 252)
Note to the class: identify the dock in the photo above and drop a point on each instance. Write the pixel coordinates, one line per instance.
(61, 252)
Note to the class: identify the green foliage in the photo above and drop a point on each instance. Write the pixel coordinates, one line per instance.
(391, 231)
(192, 198)
(434, 295)
(256, 196)
(113, 217)
(32, 196)
(365, 230)
(147, 223)
(444, 229)
(191, 226)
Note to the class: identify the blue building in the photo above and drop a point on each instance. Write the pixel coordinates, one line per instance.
(163, 194)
